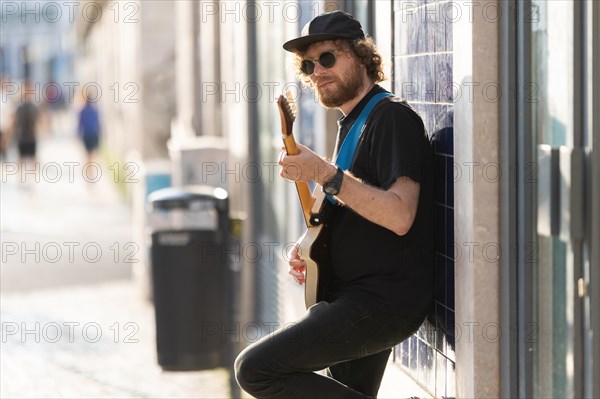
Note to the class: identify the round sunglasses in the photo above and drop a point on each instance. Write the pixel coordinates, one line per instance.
(326, 59)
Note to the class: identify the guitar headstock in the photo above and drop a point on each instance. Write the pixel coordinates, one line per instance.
(287, 112)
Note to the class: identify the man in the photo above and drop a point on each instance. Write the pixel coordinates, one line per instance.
(379, 232)
(6, 117)
(25, 124)
(89, 128)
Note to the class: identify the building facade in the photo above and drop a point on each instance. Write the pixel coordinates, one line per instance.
(516, 152)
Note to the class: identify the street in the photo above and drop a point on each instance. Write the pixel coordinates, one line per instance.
(74, 324)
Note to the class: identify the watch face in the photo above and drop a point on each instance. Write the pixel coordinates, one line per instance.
(329, 190)
(333, 187)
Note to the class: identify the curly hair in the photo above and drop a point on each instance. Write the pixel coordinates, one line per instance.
(365, 51)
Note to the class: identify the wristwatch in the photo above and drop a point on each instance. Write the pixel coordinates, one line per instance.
(332, 187)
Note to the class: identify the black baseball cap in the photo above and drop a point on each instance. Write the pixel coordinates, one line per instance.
(327, 26)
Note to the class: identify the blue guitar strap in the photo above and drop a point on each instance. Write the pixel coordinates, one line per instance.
(345, 155)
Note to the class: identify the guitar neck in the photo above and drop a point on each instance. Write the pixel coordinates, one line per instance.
(306, 199)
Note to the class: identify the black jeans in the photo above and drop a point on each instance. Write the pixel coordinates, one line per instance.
(351, 339)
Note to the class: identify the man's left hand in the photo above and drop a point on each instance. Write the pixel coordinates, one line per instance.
(307, 165)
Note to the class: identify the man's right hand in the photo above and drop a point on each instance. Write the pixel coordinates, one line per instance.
(297, 266)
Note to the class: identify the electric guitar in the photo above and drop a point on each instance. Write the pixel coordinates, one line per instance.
(311, 246)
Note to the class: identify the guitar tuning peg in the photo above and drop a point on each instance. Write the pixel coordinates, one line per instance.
(291, 103)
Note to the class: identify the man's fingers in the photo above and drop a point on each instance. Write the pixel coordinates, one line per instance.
(296, 273)
(294, 252)
(297, 276)
(297, 266)
(282, 154)
(297, 263)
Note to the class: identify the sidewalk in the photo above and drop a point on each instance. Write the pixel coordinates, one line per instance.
(73, 323)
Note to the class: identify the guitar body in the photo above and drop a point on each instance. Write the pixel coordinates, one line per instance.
(312, 246)
(312, 280)
(312, 249)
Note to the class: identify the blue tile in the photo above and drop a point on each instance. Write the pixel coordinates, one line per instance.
(440, 113)
(416, 75)
(450, 232)
(421, 111)
(421, 363)
(450, 284)
(421, 31)
(399, 66)
(401, 34)
(427, 111)
(429, 333)
(444, 339)
(440, 30)
(440, 164)
(411, 18)
(443, 77)
(440, 318)
(440, 134)
(450, 379)
(427, 368)
(421, 332)
(450, 183)
(430, 20)
(440, 229)
(405, 352)
(450, 331)
(442, 142)
(412, 361)
(440, 279)
(444, 122)
(440, 375)
(427, 80)
(456, 175)
(405, 76)
(432, 110)
(448, 18)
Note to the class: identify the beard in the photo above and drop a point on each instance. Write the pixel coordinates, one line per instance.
(340, 91)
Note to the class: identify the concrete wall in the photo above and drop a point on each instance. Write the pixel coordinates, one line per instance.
(477, 200)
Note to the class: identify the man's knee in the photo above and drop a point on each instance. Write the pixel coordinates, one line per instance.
(250, 372)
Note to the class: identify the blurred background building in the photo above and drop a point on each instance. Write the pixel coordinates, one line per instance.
(507, 91)
(37, 43)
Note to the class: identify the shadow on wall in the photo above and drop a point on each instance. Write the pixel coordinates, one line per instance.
(442, 316)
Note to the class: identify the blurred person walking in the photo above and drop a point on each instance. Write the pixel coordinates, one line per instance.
(6, 119)
(89, 128)
(25, 125)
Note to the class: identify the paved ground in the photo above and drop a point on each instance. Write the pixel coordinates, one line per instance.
(74, 325)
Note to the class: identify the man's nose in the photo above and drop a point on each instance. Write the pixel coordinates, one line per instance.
(318, 69)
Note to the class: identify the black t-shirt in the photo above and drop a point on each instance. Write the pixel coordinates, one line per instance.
(370, 262)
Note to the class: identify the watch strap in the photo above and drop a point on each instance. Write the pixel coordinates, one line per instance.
(335, 183)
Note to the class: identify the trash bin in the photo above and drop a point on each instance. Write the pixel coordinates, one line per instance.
(189, 228)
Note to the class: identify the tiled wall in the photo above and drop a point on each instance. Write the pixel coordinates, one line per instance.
(423, 75)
